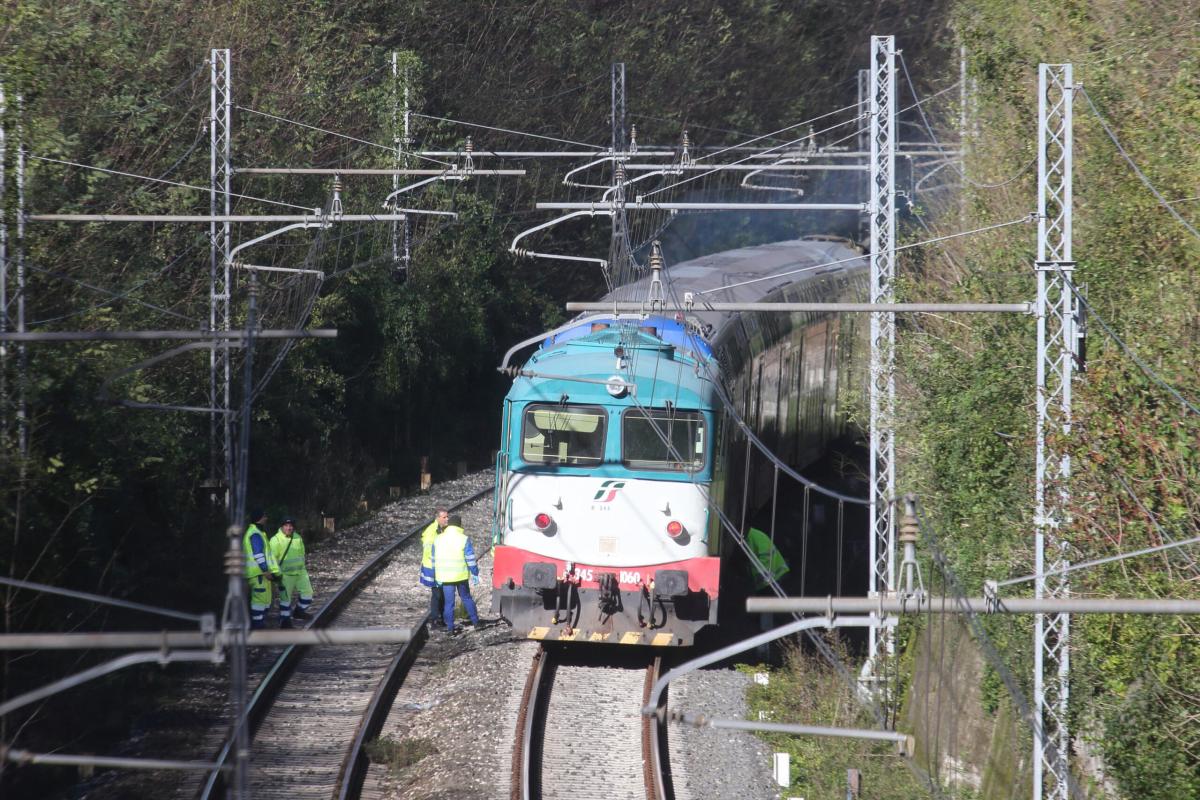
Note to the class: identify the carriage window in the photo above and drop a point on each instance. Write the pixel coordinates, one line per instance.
(645, 434)
(571, 435)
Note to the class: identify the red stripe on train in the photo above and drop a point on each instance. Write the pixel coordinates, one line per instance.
(704, 574)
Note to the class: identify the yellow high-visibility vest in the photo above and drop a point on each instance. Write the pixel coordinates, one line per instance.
(252, 568)
(290, 558)
(449, 556)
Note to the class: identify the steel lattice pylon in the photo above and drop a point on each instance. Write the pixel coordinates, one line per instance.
(882, 91)
(1055, 362)
(220, 186)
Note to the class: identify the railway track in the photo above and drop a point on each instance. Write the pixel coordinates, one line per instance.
(580, 734)
(315, 708)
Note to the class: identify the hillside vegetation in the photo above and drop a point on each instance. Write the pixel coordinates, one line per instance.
(968, 385)
(110, 499)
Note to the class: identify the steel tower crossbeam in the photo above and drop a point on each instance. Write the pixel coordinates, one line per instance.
(1055, 312)
(882, 91)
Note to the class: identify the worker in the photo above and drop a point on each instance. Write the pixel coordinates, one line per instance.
(441, 518)
(261, 569)
(288, 549)
(453, 563)
(765, 551)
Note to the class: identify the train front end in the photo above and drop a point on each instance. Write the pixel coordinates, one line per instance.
(602, 530)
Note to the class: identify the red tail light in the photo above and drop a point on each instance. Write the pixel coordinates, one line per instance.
(674, 529)
(543, 521)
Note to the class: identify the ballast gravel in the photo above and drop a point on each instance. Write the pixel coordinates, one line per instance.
(458, 706)
(192, 722)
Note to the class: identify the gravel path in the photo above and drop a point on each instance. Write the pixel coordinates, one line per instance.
(706, 762)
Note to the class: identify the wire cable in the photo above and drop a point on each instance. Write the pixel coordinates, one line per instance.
(169, 183)
(122, 295)
(98, 598)
(1142, 365)
(1141, 175)
(102, 290)
(935, 240)
(341, 135)
(953, 162)
(508, 130)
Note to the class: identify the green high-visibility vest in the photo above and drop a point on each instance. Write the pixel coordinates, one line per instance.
(288, 552)
(760, 544)
(427, 537)
(252, 568)
(449, 556)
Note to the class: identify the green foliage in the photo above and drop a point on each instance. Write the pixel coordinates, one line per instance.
(111, 499)
(1134, 450)
(806, 690)
(399, 754)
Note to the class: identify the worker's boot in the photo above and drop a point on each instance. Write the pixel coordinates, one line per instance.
(286, 623)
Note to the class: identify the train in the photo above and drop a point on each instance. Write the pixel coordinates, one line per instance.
(620, 440)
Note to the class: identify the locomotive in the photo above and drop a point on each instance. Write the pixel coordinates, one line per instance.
(618, 444)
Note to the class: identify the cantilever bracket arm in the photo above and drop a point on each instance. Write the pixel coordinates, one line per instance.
(100, 670)
(103, 394)
(454, 175)
(512, 248)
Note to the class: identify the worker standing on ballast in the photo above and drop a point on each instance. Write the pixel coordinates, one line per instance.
(441, 518)
(453, 562)
(288, 550)
(261, 568)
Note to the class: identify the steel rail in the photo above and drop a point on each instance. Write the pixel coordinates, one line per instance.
(275, 678)
(522, 772)
(654, 741)
(354, 766)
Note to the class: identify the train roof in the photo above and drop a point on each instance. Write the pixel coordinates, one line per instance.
(722, 277)
(580, 366)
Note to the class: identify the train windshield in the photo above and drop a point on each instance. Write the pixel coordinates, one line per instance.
(571, 435)
(663, 439)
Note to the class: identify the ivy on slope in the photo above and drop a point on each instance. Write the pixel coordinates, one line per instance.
(1135, 690)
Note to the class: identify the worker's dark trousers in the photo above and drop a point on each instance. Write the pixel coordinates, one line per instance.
(435, 603)
(464, 591)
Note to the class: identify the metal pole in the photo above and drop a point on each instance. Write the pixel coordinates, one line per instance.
(3, 274)
(238, 618)
(651, 205)
(1055, 361)
(220, 184)
(890, 308)
(171, 640)
(137, 336)
(882, 334)
(620, 260)
(22, 356)
(926, 604)
(103, 762)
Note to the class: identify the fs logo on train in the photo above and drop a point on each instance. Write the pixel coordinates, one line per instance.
(608, 491)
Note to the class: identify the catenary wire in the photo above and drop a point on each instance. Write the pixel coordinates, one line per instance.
(341, 135)
(508, 130)
(1142, 365)
(169, 183)
(954, 162)
(1022, 220)
(102, 290)
(121, 295)
(1141, 175)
